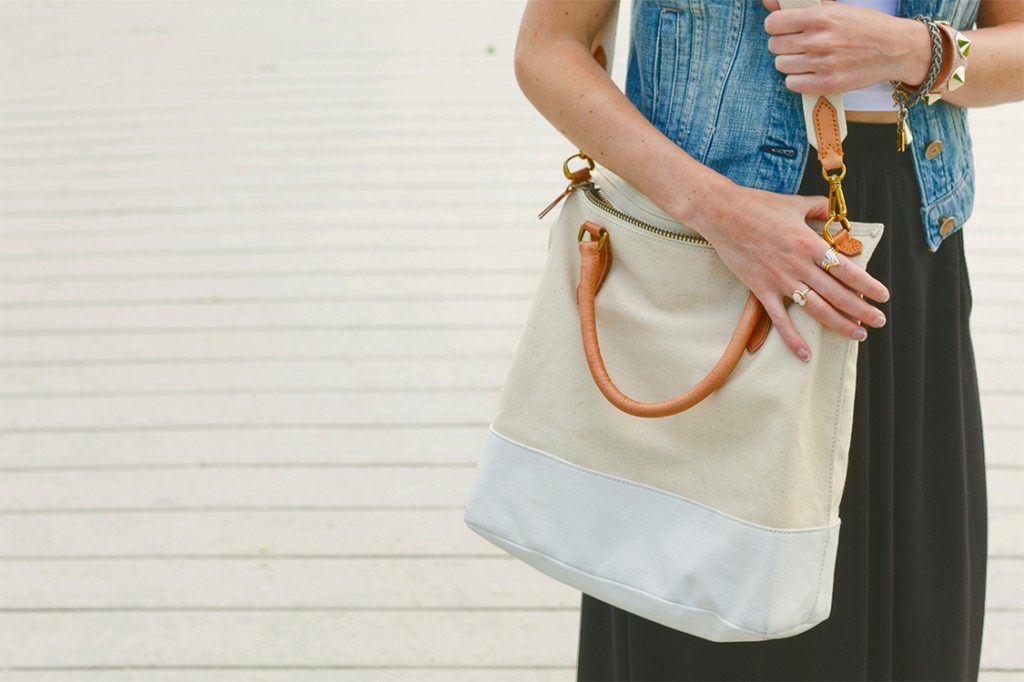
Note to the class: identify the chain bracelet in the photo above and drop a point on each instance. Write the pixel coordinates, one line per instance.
(904, 97)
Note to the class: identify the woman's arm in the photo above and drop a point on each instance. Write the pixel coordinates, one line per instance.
(761, 236)
(557, 74)
(995, 67)
(839, 47)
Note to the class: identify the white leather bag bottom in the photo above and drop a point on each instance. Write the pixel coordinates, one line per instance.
(661, 556)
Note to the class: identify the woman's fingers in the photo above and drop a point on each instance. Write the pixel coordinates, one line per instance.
(778, 262)
(857, 279)
(837, 297)
(847, 272)
(824, 312)
(792, 63)
(773, 5)
(842, 299)
(816, 207)
(785, 44)
(776, 310)
(839, 294)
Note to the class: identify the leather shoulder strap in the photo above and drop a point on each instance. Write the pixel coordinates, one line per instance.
(603, 48)
(824, 115)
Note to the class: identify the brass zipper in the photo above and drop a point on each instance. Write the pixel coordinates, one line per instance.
(596, 197)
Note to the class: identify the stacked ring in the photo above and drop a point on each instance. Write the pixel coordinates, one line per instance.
(800, 297)
(830, 260)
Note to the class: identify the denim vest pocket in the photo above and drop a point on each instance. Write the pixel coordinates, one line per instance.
(670, 67)
(957, 203)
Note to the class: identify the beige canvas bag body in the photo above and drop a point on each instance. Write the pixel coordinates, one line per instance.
(656, 445)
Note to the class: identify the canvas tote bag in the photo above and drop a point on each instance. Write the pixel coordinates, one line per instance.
(720, 520)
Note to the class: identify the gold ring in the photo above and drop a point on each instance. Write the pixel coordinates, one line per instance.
(800, 297)
(830, 260)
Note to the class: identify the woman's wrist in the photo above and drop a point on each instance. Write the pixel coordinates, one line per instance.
(914, 60)
(914, 53)
(700, 207)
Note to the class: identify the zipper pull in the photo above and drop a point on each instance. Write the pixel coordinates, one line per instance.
(568, 190)
(575, 178)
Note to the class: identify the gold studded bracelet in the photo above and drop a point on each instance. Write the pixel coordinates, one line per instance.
(955, 48)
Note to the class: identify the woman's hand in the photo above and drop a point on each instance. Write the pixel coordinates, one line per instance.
(764, 239)
(838, 47)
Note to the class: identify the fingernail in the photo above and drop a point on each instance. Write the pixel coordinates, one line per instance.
(804, 354)
(880, 320)
(885, 296)
(860, 335)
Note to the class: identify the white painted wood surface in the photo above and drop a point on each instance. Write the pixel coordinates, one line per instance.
(262, 269)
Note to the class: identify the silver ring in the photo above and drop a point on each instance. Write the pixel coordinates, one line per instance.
(800, 297)
(830, 260)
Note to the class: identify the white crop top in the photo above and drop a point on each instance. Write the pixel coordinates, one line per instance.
(877, 97)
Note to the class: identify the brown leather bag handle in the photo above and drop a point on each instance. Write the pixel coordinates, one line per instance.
(595, 262)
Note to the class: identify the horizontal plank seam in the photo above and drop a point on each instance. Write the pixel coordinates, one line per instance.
(256, 668)
(288, 609)
(226, 509)
(265, 274)
(262, 359)
(212, 466)
(240, 426)
(220, 301)
(260, 329)
(247, 391)
(250, 557)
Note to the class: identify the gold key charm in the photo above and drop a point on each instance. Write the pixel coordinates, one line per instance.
(903, 136)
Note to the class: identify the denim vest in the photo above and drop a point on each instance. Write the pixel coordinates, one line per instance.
(701, 72)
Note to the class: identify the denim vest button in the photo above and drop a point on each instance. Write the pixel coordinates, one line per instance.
(946, 226)
(933, 149)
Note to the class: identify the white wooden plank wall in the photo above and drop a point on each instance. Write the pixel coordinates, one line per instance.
(263, 266)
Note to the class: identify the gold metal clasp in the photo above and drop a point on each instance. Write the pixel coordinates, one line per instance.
(827, 233)
(575, 178)
(565, 166)
(834, 178)
(601, 242)
(836, 198)
(836, 202)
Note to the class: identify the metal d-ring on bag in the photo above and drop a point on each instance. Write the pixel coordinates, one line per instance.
(714, 512)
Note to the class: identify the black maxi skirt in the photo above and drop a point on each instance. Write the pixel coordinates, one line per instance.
(909, 593)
